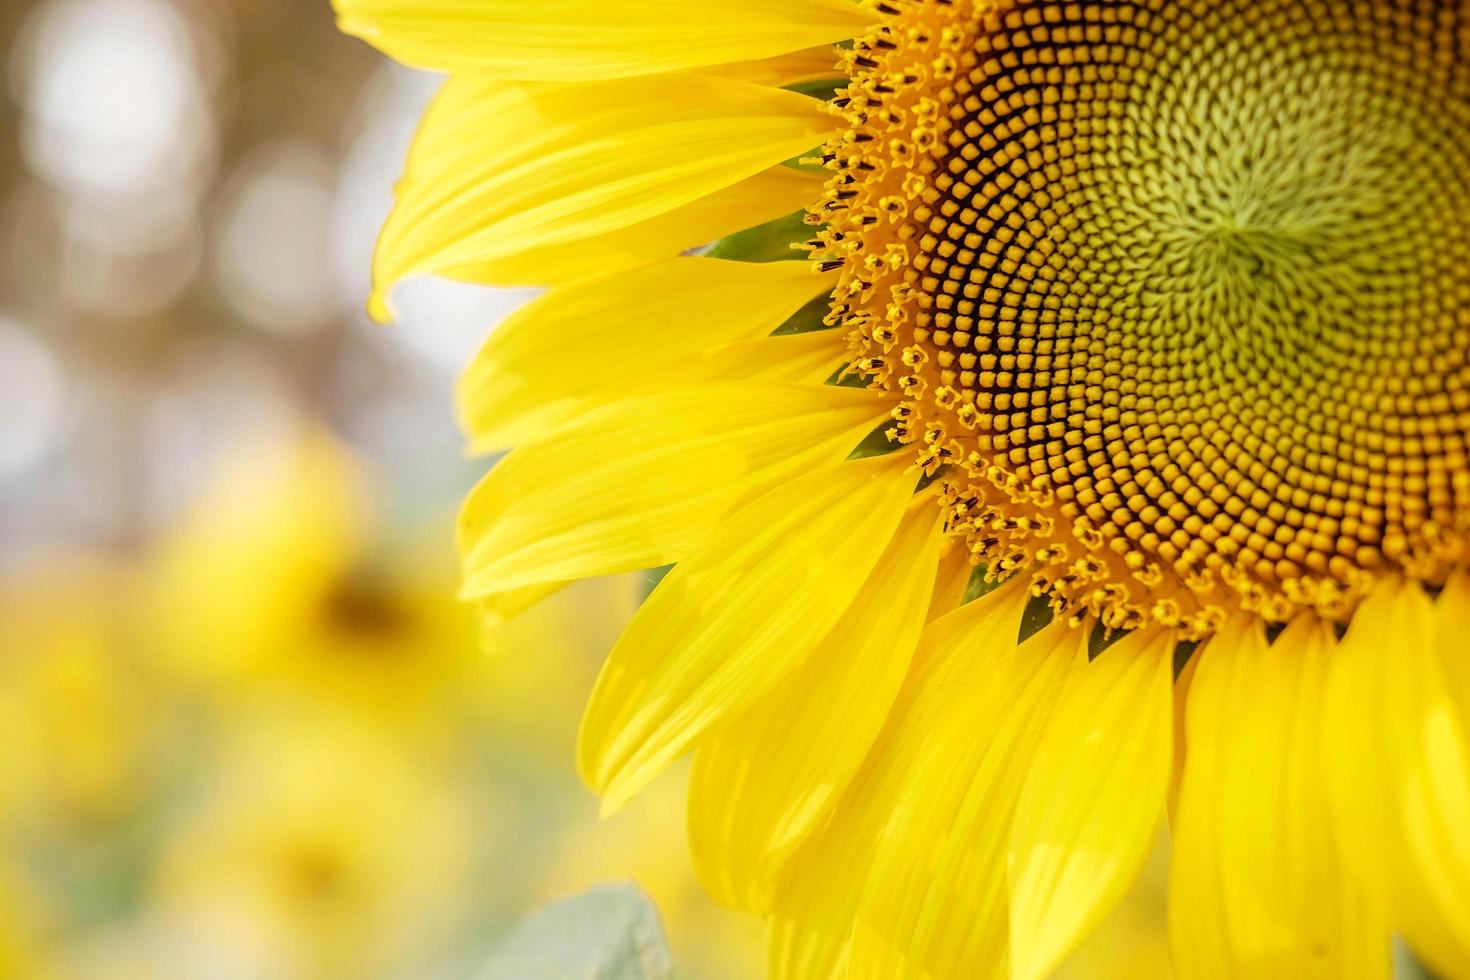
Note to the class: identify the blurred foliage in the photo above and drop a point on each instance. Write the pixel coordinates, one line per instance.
(610, 933)
(272, 745)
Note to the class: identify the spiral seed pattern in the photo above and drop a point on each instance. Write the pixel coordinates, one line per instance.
(1175, 292)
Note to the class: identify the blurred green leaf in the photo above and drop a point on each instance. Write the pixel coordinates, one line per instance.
(1408, 967)
(609, 933)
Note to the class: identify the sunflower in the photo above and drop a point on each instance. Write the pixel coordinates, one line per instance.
(1096, 457)
(278, 579)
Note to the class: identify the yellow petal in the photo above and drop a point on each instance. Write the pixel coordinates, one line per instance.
(818, 894)
(1257, 887)
(805, 358)
(1401, 784)
(643, 482)
(1452, 612)
(571, 40)
(809, 931)
(500, 168)
(1093, 799)
(808, 358)
(953, 580)
(936, 900)
(612, 336)
(766, 779)
(730, 622)
(813, 64)
(498, 609)
(768, 195)
(1182, 684)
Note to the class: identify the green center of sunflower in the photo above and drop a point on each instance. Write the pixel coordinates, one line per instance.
(1177, 291)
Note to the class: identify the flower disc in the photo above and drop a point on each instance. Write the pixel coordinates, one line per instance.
(1175, 290)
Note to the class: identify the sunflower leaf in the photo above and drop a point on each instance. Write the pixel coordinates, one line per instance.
(609, 933)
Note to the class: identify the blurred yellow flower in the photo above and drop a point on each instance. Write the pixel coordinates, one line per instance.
(25, 920)
(261, 746)
(273, 580)
(322, 849)
(247, 566)
(76, 706)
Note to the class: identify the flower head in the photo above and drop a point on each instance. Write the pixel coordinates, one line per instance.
(1106, 455)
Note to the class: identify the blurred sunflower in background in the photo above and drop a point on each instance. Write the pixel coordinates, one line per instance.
(273, 745)
(275, 581)
(1068, 427)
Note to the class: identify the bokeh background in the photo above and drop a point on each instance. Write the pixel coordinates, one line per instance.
(245, 729)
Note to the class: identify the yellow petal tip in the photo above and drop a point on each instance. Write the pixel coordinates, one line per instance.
(379, 309)
(615, 788)
(610, 806)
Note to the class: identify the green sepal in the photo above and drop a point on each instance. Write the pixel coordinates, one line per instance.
(846, 377)
(825, 89)
(929, 479)
(809, 318)
(1101, 638)
(980, 586)
(653, 577)
(1037, 617)
(876, 443)
(1183, 650)
(774, 241)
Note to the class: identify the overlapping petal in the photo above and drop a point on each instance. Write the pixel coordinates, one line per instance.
(818, 897)
(731, 621)
(1093, 800)
(768, 195)
(960, 762)
(813, 64)
(800, 358)
(1398, 763)
(1257, 884)
(921, 841)
(767, 778)
(644, 482)
(620, 334)
(581, 40)
(500, 170)
(500, 608)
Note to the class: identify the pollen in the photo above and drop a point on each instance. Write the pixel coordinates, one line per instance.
(1173, 297)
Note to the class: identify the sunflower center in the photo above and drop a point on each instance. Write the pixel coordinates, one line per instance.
(1177, 291)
